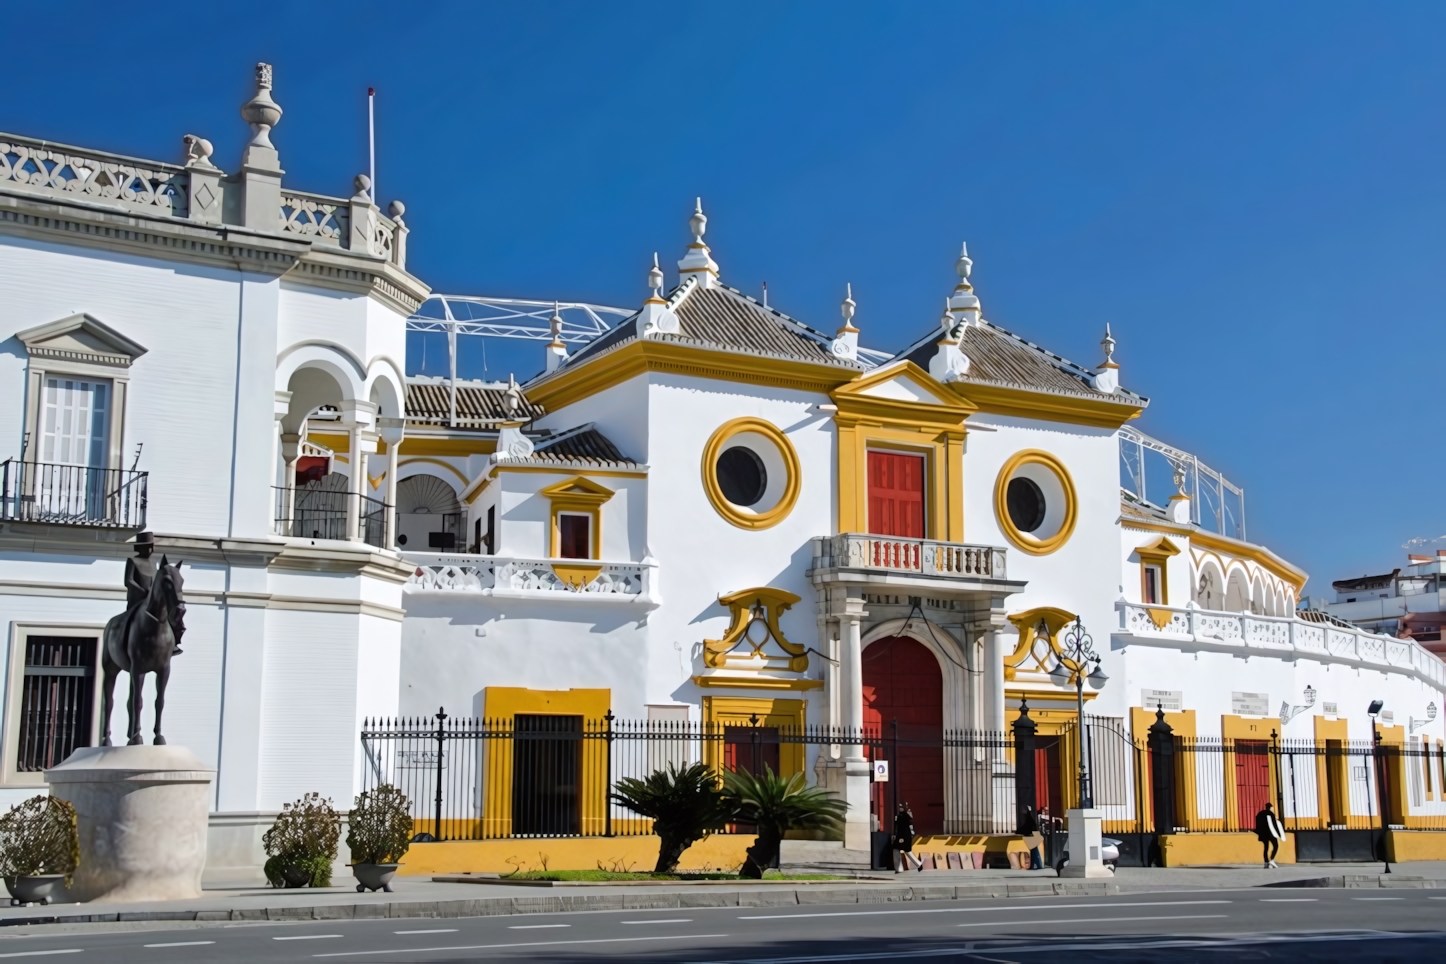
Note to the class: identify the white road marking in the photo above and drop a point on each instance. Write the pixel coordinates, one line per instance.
(182, 944)
(489, 947)
(1289, 900)
(671, 920)
(982, 910)
(534, 927)
(306, 937)
(1096, 920)
(1378, 898)
(68, 950)
(436, 930)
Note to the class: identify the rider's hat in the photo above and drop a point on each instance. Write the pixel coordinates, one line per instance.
(145, 538)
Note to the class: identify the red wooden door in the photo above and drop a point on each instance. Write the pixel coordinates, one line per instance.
(896, 495)
(1252, 780)
(902, 682)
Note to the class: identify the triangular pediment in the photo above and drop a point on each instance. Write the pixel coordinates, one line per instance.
(578, 489)
(82, 338)
(902, 390)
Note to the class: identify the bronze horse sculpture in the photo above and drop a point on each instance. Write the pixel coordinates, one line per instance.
(141, 640)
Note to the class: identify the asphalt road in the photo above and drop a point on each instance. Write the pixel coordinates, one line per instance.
(1279, 924)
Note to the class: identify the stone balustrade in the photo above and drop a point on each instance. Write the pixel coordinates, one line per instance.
(36, 167)
(550, 578)
(854, 550)
(1285, 637)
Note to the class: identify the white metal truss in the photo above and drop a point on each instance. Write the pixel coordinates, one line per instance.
(1216, 503)
(514, 318)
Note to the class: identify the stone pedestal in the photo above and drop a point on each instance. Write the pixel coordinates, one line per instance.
(142, 814)
(1084, 845)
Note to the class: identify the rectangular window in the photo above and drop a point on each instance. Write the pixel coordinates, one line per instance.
(896, 494)
(73, 422)
(1151, 588)
(489, 539)
(57, 700)
(574, 536)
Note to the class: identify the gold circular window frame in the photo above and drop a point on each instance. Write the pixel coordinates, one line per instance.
(1023, 540)
(729, 511)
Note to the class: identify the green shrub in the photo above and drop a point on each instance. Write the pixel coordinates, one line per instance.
(38, 837)
(379, 829)
(685, 803)
(778, 804)
(304, 837)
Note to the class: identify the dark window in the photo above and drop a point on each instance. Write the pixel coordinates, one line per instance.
(546, 775)
(1152, 585)
(490, 538)
(57, 700)
(741, 476)
(1026, 504)
(574, 536)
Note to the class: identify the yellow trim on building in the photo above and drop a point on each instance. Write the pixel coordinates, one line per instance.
(746, 606)
(579, 496)
(1157, 554)
(1022, 403)
(403, 462)
(1182, 723)
(455, 447)
(725, 711)
(1023, 540)
(791, 485)
(755, 683)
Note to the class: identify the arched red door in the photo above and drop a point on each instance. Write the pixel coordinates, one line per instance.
(902, 682)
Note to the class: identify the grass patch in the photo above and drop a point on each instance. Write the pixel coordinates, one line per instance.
(614, 875)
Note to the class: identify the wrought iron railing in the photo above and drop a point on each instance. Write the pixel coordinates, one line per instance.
(72, 495)
(307, 512)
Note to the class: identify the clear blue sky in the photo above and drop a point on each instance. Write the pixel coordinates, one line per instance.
(1250, 193)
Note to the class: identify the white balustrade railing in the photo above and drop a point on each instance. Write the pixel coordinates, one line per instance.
(316, 216)
(856, 550)
(36, 167)
(496, 575)
(1283, 636)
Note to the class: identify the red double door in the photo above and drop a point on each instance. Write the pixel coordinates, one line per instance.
(902, 683)
(896, 495)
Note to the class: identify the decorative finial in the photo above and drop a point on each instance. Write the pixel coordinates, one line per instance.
(846, 339)
(698, 222)
(362, 185)
(512, 399)
(963, 304)
(556, 350)
(698, 262)
(1108, 344)
(396, 209)
(964, 265)
(555, 322)
(261, 112)
(655, 278)
(198, 151)
(848, 308)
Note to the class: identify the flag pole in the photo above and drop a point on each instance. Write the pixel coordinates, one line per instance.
(372, 142)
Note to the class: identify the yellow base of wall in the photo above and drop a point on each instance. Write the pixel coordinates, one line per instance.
(718, 852)
(1194, 849)
(1416, 845)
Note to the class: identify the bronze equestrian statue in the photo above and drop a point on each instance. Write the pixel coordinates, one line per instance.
(143, 639)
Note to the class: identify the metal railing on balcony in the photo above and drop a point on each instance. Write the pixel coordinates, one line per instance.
(856, 550)
(306, 512)
(72, 495)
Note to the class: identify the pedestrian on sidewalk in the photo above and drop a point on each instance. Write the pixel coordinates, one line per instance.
(1270, 832)
(904, 840)
(1029, 828)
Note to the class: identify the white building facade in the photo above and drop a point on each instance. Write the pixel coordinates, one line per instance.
(713, 513)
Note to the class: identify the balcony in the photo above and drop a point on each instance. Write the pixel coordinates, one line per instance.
(924, 564)
(76, 495)
(312, 512)
(552, 579)
(1284, 637)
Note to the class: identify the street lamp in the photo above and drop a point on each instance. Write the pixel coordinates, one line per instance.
(1077, 662)
(1373, 711)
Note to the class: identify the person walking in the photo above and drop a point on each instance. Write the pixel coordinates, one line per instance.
(1270, 832)
(904, 840)
(1029, 829)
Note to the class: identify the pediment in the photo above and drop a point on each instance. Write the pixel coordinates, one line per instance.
(81, 338)
(578, 489)
(901, 388)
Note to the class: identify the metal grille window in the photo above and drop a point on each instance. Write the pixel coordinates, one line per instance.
(57, 700)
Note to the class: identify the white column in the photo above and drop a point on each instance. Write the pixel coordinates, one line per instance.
(994, 679)
(356, 466)
(856, 767)
(290, 449)
(391, 431)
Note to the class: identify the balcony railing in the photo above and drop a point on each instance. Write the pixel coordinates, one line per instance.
(856, 550)
(305, 512)
(72, 495)
(1286, 637)
(497, 575)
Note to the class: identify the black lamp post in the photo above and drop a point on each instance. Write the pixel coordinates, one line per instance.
(1373, 711)
(1073, 665)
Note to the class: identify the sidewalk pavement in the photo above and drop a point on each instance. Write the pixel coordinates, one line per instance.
(440, 898)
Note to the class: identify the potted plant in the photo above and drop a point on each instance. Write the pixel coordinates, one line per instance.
(39, 850)
(379, 831)
(777, 805)
(685, 803)
(301, 844)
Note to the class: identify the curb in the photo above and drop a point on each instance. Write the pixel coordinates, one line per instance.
(1362, 881)
(562, 904)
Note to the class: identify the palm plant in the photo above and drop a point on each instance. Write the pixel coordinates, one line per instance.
(777, 805)
(685, 805)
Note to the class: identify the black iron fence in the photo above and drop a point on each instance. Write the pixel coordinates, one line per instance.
(553, 775)
(316, 512)
(72, 495)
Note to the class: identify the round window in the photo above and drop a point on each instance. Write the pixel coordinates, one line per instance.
(1026, 504)
(742, 476)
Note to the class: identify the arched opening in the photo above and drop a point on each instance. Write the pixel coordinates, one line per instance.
(903, 684)
(429, 517)
(1210, 588)
(1237, 593)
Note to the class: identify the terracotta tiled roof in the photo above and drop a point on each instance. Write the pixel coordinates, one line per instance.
(584, 443)
(430, 400)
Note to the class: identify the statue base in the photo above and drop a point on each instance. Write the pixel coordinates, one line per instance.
(1085, 845)
(142, 813)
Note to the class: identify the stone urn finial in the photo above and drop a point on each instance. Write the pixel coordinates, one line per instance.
(261, 112)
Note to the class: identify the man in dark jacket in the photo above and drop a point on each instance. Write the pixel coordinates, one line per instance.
(1270, 832)
(904, 839)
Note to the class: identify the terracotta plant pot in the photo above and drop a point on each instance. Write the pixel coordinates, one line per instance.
(45, 889)
(374, 876)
